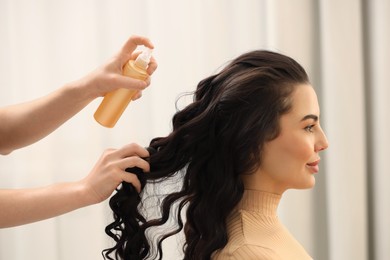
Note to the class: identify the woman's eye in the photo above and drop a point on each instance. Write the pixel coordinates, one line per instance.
(309, 128)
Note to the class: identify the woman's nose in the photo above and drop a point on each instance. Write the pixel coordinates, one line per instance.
(322, 142)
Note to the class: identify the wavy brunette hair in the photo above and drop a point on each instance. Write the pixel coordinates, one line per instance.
(215, 139)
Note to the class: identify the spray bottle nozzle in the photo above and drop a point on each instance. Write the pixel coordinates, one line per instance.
(143, 59)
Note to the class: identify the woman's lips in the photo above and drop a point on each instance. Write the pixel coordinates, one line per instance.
(313, 167)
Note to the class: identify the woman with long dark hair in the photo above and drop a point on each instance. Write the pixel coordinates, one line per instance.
(251, 133)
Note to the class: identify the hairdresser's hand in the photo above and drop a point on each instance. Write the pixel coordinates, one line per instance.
(26, 123)
(109, 172)
(22, 206)
(109, 76)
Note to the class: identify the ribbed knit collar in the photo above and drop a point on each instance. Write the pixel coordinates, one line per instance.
(260, 202)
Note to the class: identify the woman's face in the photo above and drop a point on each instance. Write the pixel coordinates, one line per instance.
(291, 160)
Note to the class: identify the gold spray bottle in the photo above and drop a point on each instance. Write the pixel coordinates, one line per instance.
(115, 103)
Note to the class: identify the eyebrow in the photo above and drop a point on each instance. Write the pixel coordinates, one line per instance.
(311, 116)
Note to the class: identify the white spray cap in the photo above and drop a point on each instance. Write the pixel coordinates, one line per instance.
(143, 59)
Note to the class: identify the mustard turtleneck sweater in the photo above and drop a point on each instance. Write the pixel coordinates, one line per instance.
(255, 231)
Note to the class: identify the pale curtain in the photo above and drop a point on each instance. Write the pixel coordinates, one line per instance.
(344, 45)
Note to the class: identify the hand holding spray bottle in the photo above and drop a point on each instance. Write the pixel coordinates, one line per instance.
(115, 103)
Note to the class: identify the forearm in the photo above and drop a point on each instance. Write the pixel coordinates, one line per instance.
(26, 123)
(25, 206)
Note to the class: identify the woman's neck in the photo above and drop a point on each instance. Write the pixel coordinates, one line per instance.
(262, 202)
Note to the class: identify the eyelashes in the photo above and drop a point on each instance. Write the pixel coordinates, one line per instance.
(309, 128)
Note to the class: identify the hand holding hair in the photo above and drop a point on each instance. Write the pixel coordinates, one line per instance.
(23, 206)
(110, 171)
(139, 172)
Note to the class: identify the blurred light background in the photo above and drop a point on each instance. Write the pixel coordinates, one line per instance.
(344, 45)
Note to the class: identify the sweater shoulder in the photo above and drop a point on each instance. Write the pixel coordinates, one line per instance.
(248, 252)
